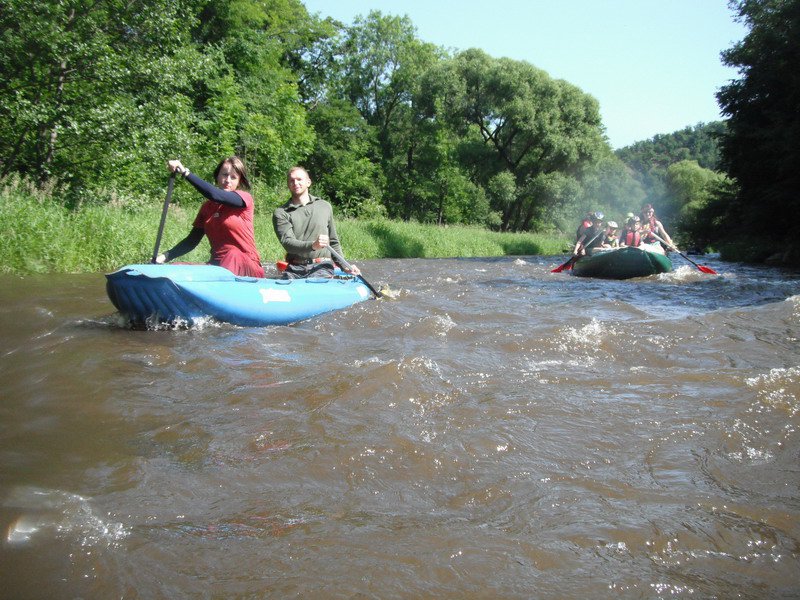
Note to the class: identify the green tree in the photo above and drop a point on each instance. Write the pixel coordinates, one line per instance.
(344, 158)
(611, 186)
(650, 159)
(97, 94)
(526, 123)
(761, 150)
(689, 190)
(382, 61)
(548, 202)
(380, 66)
(441, 189)
(699, 143)
(261, 41)
(502, 190)
(93, 91)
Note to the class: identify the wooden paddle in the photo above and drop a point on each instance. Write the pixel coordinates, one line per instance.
(702, 268)
(573, 259)
(346, 265)
(170, 186)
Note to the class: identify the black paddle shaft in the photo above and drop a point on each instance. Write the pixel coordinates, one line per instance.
(346, 265)
(170, 186)
(573, 259)
(701, 268)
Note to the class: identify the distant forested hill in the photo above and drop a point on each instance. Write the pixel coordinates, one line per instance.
(679, 173)
(699, 143)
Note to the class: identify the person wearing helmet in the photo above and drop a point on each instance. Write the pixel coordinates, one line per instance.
(611, 235)
(591, 236)
(630, 236)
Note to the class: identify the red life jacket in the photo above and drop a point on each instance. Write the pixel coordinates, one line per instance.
(632, 238)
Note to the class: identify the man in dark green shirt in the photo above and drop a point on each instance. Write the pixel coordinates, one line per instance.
(305, 229)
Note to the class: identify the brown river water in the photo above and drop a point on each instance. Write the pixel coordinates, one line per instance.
(492, 431)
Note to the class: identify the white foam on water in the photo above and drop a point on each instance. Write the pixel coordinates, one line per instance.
(779, 389)
(60, 514)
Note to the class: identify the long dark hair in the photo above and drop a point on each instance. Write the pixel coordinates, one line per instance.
(643, 215)
(237, 165)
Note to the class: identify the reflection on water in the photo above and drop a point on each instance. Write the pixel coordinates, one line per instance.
(55, 513)
(495, 430)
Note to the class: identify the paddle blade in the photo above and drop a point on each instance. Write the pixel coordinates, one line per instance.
(377, 293)
(565, 267)
(708, 270)
(387, 292)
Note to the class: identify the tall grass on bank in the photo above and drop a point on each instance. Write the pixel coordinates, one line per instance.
(39, 235)
(398, 239)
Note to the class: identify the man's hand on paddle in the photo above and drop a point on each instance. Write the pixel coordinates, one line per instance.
(322, 241)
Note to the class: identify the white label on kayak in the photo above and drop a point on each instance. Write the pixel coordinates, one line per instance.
(273, 295)
(362, 291)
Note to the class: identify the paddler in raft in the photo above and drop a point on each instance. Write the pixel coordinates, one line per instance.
(591, 236)
(651, 225)
(611, 236)
(226, 218)
(305, 229)
(630, 235)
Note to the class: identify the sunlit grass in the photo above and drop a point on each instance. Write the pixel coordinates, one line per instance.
(396, 239)
(38, 234)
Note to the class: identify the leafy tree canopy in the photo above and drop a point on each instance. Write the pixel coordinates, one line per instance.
(524, 122)
(761, 149)
(97, 94)
(699, 143)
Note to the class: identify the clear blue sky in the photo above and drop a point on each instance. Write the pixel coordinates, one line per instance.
(653, 65)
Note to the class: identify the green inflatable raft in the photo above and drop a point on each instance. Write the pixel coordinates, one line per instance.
(623, 263)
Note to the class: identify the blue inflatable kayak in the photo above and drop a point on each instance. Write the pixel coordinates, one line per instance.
(149, 293)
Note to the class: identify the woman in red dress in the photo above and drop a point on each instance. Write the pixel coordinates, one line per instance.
(226, 218)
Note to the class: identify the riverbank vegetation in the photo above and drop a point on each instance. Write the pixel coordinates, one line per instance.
(97, 96)
(39, 234)
(733, 185)
(755, 216)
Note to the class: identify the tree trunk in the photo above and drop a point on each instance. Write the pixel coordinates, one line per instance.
(52, 136)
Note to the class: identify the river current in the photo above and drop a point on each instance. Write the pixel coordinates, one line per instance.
(493, 430)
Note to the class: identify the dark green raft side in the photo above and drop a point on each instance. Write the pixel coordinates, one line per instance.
(622, 263)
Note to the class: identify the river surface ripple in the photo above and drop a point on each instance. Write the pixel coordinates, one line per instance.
(494, 431)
